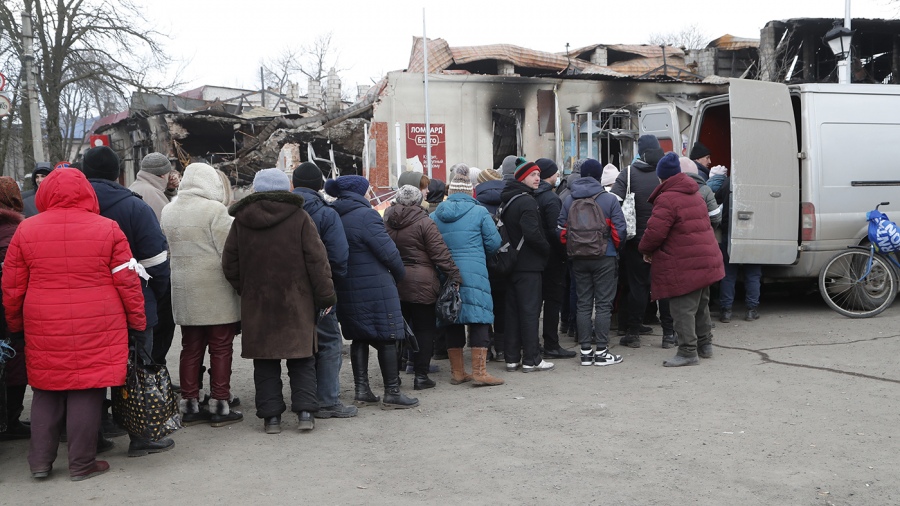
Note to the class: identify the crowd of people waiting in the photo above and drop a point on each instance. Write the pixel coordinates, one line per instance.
(99, 272)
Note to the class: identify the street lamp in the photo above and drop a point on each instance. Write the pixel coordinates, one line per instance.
(838, 39)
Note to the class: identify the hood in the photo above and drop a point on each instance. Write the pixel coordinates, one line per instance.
(153, 180)
(643, 166)
(202, 181)
(544, 187)
(585, 187)
(455, 207)
(40, 168)
(312, 200)
(696, 177)
(110, 193)
(265, 209)
(514, 188)
(348, 201)
(679, 183)
(401, 216)
(67, 189)
(488, 192)
(436, 191)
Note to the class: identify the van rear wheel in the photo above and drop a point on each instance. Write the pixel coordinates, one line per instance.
(858, 283)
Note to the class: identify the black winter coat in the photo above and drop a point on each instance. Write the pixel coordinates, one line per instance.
(524, 219)
(643, 182)
(368, 302)
(549, 205)
(140, 226)
(488, 194)
(330, 228)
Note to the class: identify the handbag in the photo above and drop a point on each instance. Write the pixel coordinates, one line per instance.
(410, 341)
(448, 303)
(629, 211)
(146, 405)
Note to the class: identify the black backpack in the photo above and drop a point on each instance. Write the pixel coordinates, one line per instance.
(502, 262)
(587, 229)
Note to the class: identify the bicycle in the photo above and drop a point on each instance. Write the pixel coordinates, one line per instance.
(860, 282)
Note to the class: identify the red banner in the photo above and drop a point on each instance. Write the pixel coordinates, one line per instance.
(417, 143)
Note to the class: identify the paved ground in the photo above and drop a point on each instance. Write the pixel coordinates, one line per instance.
(798, 408)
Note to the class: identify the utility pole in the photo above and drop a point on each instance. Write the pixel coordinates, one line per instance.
(30, 85)
(262, 88)
(427, 117)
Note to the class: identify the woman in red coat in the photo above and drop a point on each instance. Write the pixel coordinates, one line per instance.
(68, 285)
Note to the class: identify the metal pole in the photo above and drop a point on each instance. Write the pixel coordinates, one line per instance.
(844, 65)
(262, 88)
(31, 87)
(365, 152)
(427, 118)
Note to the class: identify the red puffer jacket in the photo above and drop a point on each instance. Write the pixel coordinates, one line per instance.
(59, 288)
(680, 239)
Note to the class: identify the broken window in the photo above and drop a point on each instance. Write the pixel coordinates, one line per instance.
(507, 127)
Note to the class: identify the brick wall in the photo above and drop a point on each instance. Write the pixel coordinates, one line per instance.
(379, 172)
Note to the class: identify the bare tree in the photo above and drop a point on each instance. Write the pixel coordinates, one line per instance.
(689, 37)
(92, 44)
(313, 61)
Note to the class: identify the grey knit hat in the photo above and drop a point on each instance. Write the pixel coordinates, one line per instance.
(508, 167)
(271, 180)
(460, 182)
(408, 195)
(156, 164)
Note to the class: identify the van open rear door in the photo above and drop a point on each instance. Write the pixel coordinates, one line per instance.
(661, 120)
(765, 175)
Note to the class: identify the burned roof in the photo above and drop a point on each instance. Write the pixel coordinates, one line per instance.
(732, 43)
(643, 50)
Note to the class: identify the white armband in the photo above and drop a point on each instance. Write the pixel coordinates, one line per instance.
(133, 265)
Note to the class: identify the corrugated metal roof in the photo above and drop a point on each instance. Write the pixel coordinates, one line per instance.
(645, 50)
(439, 56)
(732, 43)
(641, 66)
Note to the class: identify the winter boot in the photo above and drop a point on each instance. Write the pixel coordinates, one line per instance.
(498, 348)
(457, 367)
(393, 397)
(222, 414)
(423, 382)
(140, 447)
(359, 361)
(192, 414)
(479, 369)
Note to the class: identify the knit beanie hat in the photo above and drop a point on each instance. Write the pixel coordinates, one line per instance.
(10, 196)
(355, 184)
(687, 165)
(652, 156)
(698, 151)
(548, 167)
(509, 165)
(576, 167)
(474, 172)
(436, 190)
(460, 182)
(524, 169)
(488, 175)
(308, 175)
(156, 164)
(62, 165)
(592, 168)
(610, 173)
(408, 195)
(42, 168)
(271, 180)
(647, 142)
(101, 163)
(668, 166)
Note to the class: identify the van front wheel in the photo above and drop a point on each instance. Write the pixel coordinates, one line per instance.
(858, 283)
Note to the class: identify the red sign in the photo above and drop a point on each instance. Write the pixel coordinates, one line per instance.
(99, 140)
(417, 143)
(2, 82)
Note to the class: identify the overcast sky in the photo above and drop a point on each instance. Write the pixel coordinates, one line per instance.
(223, 41)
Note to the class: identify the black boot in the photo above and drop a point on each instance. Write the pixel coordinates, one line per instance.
(359, 361)
(140, 447)
(423, 382)
(393, 397)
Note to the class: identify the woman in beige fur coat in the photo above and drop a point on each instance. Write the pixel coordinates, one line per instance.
(208, 309)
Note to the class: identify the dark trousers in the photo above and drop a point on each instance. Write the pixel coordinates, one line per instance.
(422, 321)
(523, 308)
(692, 322)
(194, 340)
(498, 297)
(328, 360)
(638, 281)
(567, 310)
(596, 280)
(267, 378)
(76, 410)
(665, 317)
(552, 283)
(164, 331)
(478, 336)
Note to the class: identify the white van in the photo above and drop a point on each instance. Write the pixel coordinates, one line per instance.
(806, 163)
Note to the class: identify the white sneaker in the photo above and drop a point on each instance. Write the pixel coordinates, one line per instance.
(543, 366)
(604, 357)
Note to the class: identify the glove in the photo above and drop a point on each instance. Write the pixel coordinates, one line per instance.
(562, 236)
(141, 343)
(718, 170)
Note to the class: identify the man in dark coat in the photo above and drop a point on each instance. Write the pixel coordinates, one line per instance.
(554, 273)
(41, 170)
(685, 259)
(276, 261)
(637, 272)
(148, 246)
(523, 289)
(701, 155)
(307, 181)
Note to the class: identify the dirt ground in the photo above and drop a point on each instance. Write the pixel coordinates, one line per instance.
(797, 408)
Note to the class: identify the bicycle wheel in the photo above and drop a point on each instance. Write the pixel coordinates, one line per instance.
(849, 290)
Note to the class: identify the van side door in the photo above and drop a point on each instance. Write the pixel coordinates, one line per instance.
(661, 120)
(765, 174)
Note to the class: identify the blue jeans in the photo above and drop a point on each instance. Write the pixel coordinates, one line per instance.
(596, 280)
(328, 360)
(752, 275)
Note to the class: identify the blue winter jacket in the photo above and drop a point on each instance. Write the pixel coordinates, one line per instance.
(330, 228)
(140, 226)
(584, 187)
(368, 303)
(488, 194)
(472, 236)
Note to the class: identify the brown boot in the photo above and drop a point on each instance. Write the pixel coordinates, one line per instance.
(479, 369)
(457, 367)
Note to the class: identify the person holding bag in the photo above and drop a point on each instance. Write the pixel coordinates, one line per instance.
(68, 260)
